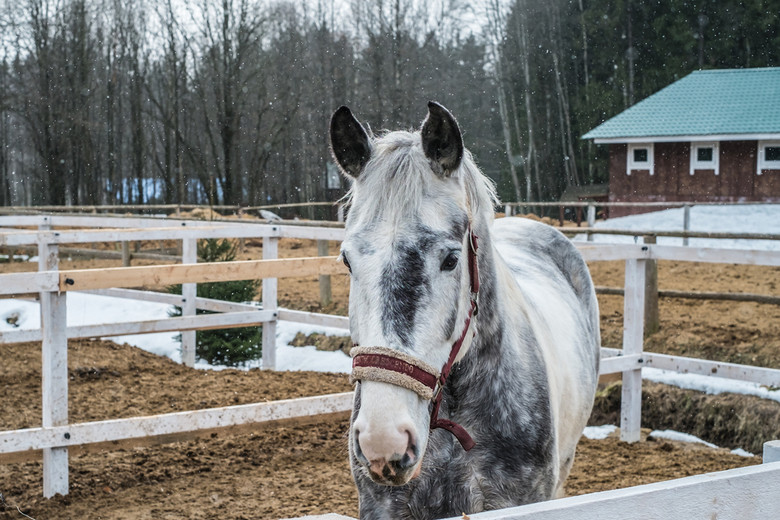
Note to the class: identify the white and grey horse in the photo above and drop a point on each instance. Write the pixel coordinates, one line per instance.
(505, 310)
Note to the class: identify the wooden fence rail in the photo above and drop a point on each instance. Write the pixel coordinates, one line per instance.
(53, 287)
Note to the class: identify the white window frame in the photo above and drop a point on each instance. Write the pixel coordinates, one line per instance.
(696, 164)
(632, 165)
(763, 164)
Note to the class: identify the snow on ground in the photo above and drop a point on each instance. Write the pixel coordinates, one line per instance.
(709, 385)
(753, 218)
(91, 309)
(598, 432)
(673, 435)
(604, 431)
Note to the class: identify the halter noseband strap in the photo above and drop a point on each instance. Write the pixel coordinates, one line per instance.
(391, 366)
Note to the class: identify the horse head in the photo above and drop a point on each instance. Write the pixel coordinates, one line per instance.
(408, 245)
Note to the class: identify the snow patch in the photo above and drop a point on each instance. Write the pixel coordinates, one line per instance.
(598, 432)
(708, 384)
(753, 218)
(673, 435)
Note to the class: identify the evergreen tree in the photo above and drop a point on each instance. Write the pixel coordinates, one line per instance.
(233, 346)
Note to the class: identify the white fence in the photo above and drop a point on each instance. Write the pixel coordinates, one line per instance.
(56, 434)
(751, 493)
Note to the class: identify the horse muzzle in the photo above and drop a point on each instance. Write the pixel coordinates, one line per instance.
(386, 446)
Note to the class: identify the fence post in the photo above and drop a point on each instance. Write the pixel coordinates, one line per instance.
(270, 252)
(772, 451)
(686, 222)
(189, 291)
(591, 219)
(651, 292)
(340, 213)
(125, 254)
(54, 372)
(633, 324)
(325, 291)
(508, 210)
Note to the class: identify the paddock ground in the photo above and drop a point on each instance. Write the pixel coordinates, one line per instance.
(272, 472)
(294, 469)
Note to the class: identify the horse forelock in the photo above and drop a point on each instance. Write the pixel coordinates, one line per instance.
(398, 182)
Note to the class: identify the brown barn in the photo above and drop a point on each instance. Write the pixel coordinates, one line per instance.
(713, 136)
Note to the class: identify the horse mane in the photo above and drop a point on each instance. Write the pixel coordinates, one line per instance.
(399, 174)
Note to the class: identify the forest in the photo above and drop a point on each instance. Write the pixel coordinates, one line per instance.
(228, 101)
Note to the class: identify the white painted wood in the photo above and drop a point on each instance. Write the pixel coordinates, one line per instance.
(189, 323)
(606, 252)
(633, 332)
(160, 233)
(206, 304)
(616, 364)
(95, 221)
(270, 252)
(189, 255)
(25, 283)
(591, 219)
(319, 233)
(313, 318)
(54, 371)
(166, 424)
(771, 451)
(717, 256)
(751, 493)
(685, 365)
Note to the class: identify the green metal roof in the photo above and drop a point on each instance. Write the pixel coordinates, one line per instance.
(705, 102)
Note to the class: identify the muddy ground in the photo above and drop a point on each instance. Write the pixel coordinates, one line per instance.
(290, 470)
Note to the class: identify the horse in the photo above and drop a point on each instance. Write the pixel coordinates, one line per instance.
(506, 307)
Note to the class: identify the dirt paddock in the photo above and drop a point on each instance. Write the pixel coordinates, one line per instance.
(289, 470)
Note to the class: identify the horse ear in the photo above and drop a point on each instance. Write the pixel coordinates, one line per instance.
(349, 143)
(441, 139)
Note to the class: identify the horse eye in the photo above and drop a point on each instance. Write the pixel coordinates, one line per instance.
(346, 262)
(450, 262)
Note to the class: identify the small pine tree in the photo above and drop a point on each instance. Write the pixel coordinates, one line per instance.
(234, 346)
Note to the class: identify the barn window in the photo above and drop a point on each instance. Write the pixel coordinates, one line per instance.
(640, 157)
(704, 156)
(768, 156)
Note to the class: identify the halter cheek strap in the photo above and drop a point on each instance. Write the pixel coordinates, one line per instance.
(397, 368)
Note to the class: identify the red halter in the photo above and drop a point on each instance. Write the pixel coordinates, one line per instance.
(424, 380)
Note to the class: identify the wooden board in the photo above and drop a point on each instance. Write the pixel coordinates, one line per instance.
(172, 423)
(84, 279)
(739, 494)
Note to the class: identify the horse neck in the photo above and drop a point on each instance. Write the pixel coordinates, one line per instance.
(488, 319)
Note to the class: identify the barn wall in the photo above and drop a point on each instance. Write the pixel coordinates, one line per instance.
(736, 180)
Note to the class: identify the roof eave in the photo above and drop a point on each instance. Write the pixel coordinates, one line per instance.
(769, 136)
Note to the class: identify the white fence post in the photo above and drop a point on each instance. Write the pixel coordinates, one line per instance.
(326, 295)
(633, 332)
(591, 219)
(54, 370)
(189, 255)
(771, 451)
(686, 222)
(270, 252)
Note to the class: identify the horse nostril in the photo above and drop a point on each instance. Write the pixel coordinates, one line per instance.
(411, 445)
(359, 452)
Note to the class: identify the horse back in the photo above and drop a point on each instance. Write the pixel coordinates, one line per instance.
(547, 283)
